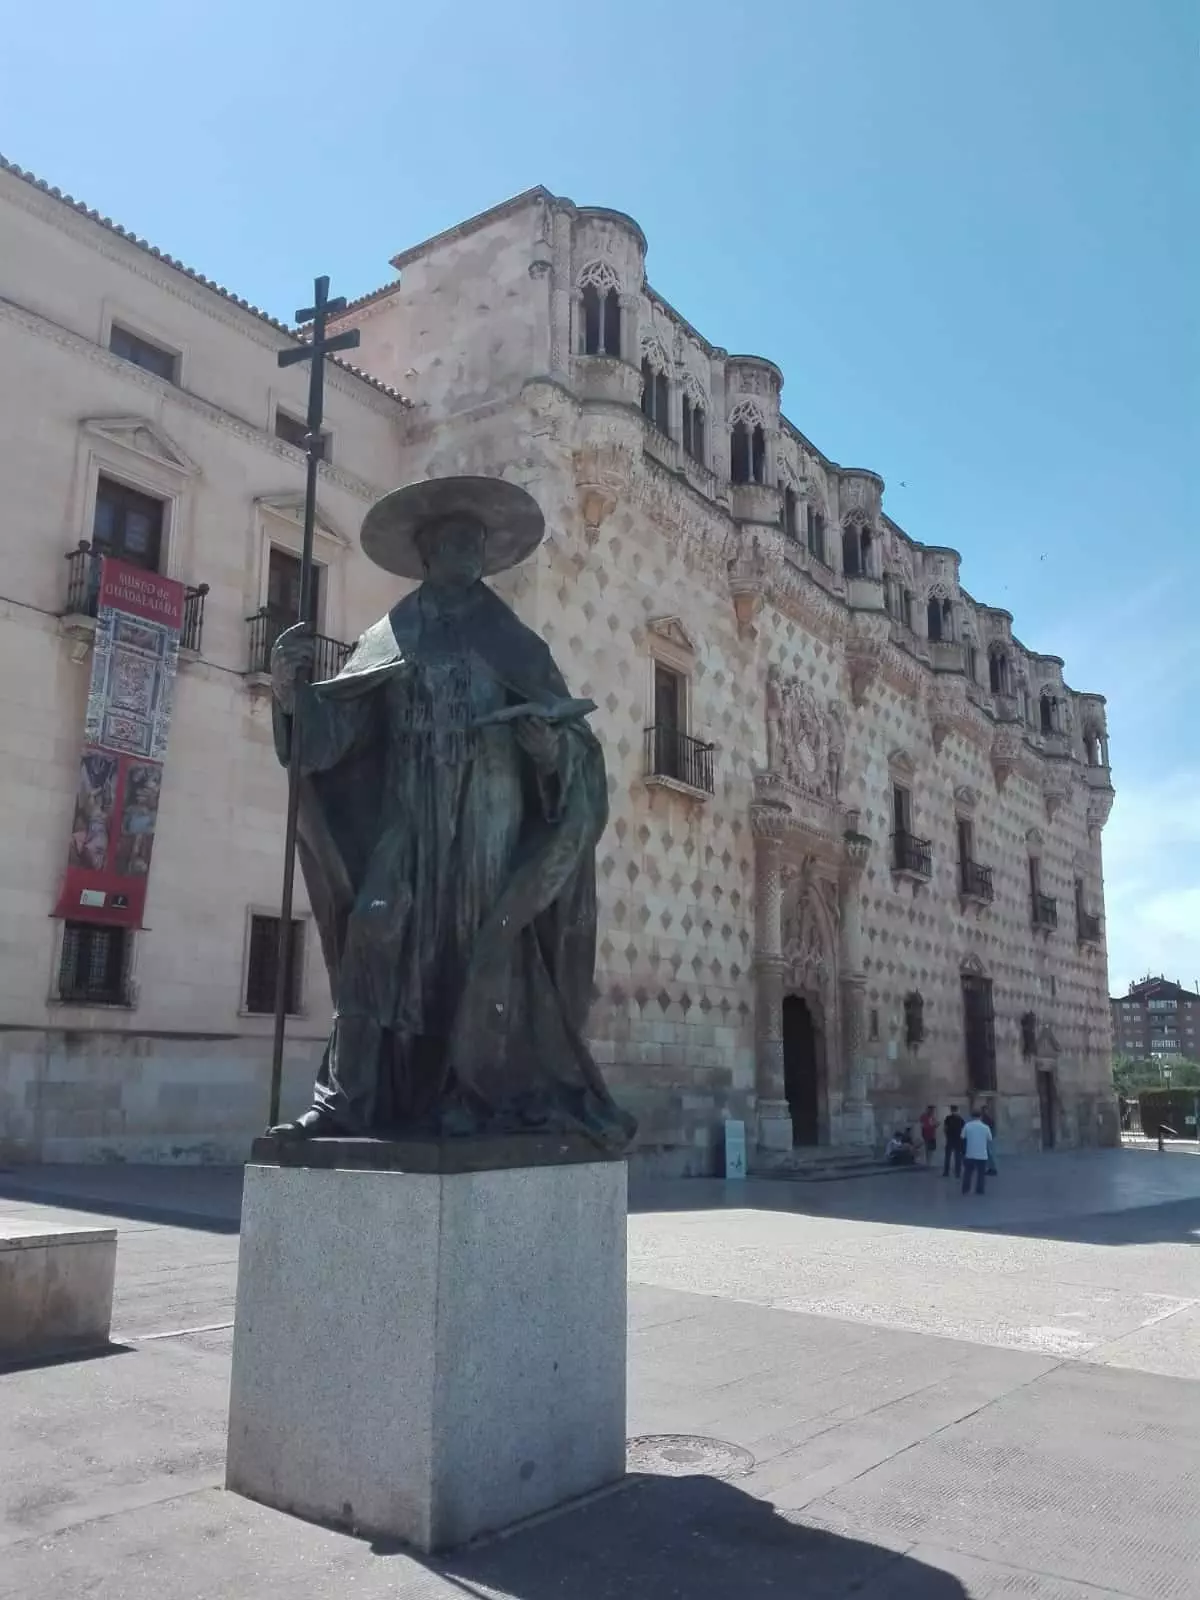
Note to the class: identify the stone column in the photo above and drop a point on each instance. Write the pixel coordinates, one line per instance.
(774, 1123)
(631, 348)
(770, 457)
(856, 1121)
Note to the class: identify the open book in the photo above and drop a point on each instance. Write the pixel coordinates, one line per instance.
(555, 711)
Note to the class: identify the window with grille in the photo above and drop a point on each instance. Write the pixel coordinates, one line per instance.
(142, 353)
(93, 968)
(261, 965)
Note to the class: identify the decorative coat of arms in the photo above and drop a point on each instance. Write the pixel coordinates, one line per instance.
(805, 745)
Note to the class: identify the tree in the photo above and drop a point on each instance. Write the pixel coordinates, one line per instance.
(1130, 1075)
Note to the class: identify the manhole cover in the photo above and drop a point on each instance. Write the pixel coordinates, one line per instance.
(683, 1455)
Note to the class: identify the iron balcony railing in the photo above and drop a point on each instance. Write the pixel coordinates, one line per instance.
(977, 881)
(910, 854)
(83, 594)
(266, 625)
(1089, 928)
(671, 754)
(1045, 911)
(193, 618)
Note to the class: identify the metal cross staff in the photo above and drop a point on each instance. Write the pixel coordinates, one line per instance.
(315, 350)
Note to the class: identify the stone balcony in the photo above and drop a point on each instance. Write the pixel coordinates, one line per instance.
(946, 655)
(755, 502)
(607, 378)
(864, 594)
(660, 447)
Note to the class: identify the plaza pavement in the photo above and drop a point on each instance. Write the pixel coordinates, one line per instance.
(892, 1390)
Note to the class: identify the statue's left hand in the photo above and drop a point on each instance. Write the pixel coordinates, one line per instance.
(539, 740)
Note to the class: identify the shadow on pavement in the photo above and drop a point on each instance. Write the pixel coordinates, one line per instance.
(208, 1199)
(691, 1536)
(1080, 1201)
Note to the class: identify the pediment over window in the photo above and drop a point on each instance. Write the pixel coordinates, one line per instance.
(673, 631)
(291, 508)
(143, 438)
(670, 642)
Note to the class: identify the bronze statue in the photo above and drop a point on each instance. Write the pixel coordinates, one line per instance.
(452, 798)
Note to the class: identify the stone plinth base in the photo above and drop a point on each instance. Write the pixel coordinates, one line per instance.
(429, 1355)
(773, 1127)
(56, 1288)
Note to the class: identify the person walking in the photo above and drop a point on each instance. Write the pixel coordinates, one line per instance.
(988, 1117)
(976, 1145)
(929, 1134)
(952, 1129)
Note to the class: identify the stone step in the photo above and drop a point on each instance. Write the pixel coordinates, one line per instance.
(822, 1165)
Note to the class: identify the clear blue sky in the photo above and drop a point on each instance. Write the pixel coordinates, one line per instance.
(965, 229)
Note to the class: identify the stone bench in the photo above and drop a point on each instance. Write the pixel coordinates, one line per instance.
(56, 1288)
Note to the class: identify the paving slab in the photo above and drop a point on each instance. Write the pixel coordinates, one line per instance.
(864, 1451)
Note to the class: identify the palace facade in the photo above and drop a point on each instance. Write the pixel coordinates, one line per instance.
(853, 863)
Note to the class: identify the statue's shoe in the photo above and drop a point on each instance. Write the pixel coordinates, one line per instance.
(314, 1124)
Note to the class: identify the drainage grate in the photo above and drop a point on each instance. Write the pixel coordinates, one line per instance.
(684, 1455)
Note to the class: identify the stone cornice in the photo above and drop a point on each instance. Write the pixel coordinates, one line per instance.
(43, 328)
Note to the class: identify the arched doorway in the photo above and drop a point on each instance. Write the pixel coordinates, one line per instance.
(800, 1069)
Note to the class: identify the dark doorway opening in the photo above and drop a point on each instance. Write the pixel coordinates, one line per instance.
(800, 1074)
(1045, 1082)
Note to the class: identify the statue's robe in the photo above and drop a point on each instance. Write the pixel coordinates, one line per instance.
(452, 880)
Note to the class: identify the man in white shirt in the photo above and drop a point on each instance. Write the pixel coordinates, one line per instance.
(977, 1146)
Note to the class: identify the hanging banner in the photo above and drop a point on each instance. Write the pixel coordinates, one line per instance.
(138, 622)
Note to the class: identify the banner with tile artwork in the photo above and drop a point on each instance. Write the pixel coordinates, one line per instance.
(138, 623)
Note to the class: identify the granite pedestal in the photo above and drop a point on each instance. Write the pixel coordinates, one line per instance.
(430, 1339)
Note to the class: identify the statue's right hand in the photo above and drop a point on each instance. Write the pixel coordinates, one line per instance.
(291, 659)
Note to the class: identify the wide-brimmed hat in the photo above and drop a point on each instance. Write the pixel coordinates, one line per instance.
(511, 518)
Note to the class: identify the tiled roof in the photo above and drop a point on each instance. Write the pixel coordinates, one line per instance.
(188, 272)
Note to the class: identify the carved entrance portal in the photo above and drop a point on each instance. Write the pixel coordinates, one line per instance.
(803, 1069)
(808, 956)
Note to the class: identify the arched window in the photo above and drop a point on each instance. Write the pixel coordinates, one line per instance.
(815, 529)
(601, 321)
(1095, 747)
(693, 429)
(789, 512)
(656, 396)
(851, 552)
(1049, 714)
(758, 454)
(864, 564)
(940, 618)
(998, 672)
(747, 452)
(739, 453)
